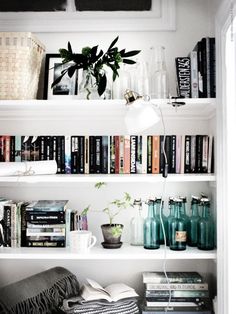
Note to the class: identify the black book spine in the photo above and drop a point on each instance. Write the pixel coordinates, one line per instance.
(187, 159)
(91, 154)
(112, 154)
(41, 147)
(48, 148)
(23, 225)
(183, 73)
(7, 225)
(1, 148)
(133, 153)
(34, 148)
(199, 140)
(162, 159)
(105, 154)
(54, 148)
(25, 148)
(149, 154)
(45, 243)
(45, 217)
(74, 154)
(168, 151)
(98, 154)
(173, 154)
(81, 156)
(204, 66)
(63, 158)
(12, 148)
(212, 68)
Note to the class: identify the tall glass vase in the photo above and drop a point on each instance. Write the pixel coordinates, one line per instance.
(193, 222)
(206, 227)
(151, 239)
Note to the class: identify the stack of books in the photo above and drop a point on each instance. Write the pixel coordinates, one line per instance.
(186, 292)
(45, 223)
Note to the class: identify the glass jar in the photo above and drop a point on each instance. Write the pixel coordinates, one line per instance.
(136, 224)
(205, 227)
(158, 73)
(178, 229)
(150, 229)
(193, 222)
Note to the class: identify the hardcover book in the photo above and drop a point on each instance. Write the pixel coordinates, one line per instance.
(47, 205)
(174, 277)
(183, 73)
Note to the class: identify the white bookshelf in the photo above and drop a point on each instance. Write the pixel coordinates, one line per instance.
(126, 252)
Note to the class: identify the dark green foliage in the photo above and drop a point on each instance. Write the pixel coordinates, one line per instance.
(93, 60)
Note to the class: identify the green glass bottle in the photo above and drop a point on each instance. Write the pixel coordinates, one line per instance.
(158, 206)
(193, 222)
(184, 212)
(150, 229)
(178, 229)
(205, 227)
(171, 215)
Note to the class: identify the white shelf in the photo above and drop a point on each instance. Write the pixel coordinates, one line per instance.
(195, 108)
(126, 252)
(113, 178)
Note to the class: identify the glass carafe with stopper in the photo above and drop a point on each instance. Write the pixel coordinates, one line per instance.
(158, 73)
(178, 230)
(151, 239)
(193, 222)
(205, 227)
(136, 224)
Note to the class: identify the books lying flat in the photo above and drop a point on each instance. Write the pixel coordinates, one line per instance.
(47, 206)
(112, 293)
(177, 293)
(176, 286)
(174, 277)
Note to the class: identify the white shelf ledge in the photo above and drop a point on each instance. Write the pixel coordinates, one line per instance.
(75, 109)
(126, 252)
(109, 178)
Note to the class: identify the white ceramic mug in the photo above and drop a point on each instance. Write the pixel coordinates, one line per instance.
(82, 240)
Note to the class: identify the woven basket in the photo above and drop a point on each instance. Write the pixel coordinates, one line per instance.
(21, 56)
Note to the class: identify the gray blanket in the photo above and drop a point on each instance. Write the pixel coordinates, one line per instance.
(39, 294)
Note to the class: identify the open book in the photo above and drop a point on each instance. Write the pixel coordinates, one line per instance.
(112, 293)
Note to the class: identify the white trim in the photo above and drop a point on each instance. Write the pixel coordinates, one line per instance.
(162, 17)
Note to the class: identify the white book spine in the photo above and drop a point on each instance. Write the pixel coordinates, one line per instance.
(210, 153)
(178, 153)
(204, 153)
(108, 154)
(194, 74)
(86, 155)
(67, 154)
(182, 154)
(144, 154)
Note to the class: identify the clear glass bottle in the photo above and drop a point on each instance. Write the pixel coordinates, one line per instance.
(169, 218)
(178, 229)
(193, 222)
(205, 227)
(157, 209)
(158, 73)
(141, 80)
(151, 239)
(122, 83)
(136, 224)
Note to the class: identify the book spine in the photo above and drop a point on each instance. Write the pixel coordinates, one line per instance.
(41, 147)
(204, 153)
(25, 148)
(194, 74)
(168, 151)
(133, 153)
(1, 148)
(48, 148)
(156, 294)
(210, 154)
(121, 154)
(45, 218)
(63, 157)
(91, 154)
(7, 148)
(117, 154)
(98, 154)
(23, 225)
(156, 154)
(177, 286)
(18, 224)
(112, 154)
(183, 72)
(67, 155)
(12, 148)
(54, 148)
(178, 153)
(204, 66)
(18, 148)
(74, 154)
(187, 163)
(7, 224)
(182, 154)
(144, 154)
(198, 153)
(13, 225)
(173, 154)
(212, 68)
(81, 155)
(34, 149)
(105, 156)
(39, 243)
(68, 225)
(139, 157)
(193, 154)
(127, 154)
(86, 157)
(149, 154)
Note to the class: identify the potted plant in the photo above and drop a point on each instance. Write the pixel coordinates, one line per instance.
(112, 231)
(92, 62)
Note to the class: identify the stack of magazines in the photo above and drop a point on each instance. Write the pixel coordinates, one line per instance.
(181, 292)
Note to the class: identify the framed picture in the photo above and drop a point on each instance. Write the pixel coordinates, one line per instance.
(67, 87)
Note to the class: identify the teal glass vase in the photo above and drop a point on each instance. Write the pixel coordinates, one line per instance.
(158, 207)
(193, 222)
(178, 229)
(206, 227)
(150, 229)
(169, 218)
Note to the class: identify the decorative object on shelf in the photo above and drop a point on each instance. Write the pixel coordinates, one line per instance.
(159, 85)
(122, 82)
(93, 61)
(28, 168)
(193, 222)
(82, 241)
(67, 87)
(158, 212)
(136, 224)
(140, 114)
(205, 227)
(151, 228)
(21, 56)
(112, 231)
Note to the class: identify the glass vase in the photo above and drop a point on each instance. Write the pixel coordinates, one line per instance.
(205, 227)
(136, 224)
(88, 87)
(193, 222)
(151, 239)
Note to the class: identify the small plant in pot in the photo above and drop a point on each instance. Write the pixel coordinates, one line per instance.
(112, 231)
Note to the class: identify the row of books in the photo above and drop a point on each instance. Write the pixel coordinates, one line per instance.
(182, 292)
(114, 154)
(196, 73)
(43, 223)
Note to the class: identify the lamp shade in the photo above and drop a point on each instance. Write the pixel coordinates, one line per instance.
(140, 115)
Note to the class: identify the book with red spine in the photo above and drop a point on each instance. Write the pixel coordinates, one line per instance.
(156, 154)
(127, 154)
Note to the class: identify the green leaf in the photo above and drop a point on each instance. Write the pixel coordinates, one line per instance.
(131, 53)
(129, 61)
(113, 43)
(57, 80)
(98, 185)
(71, 70)
(102, 84)
(69, 48)
(85, 211)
